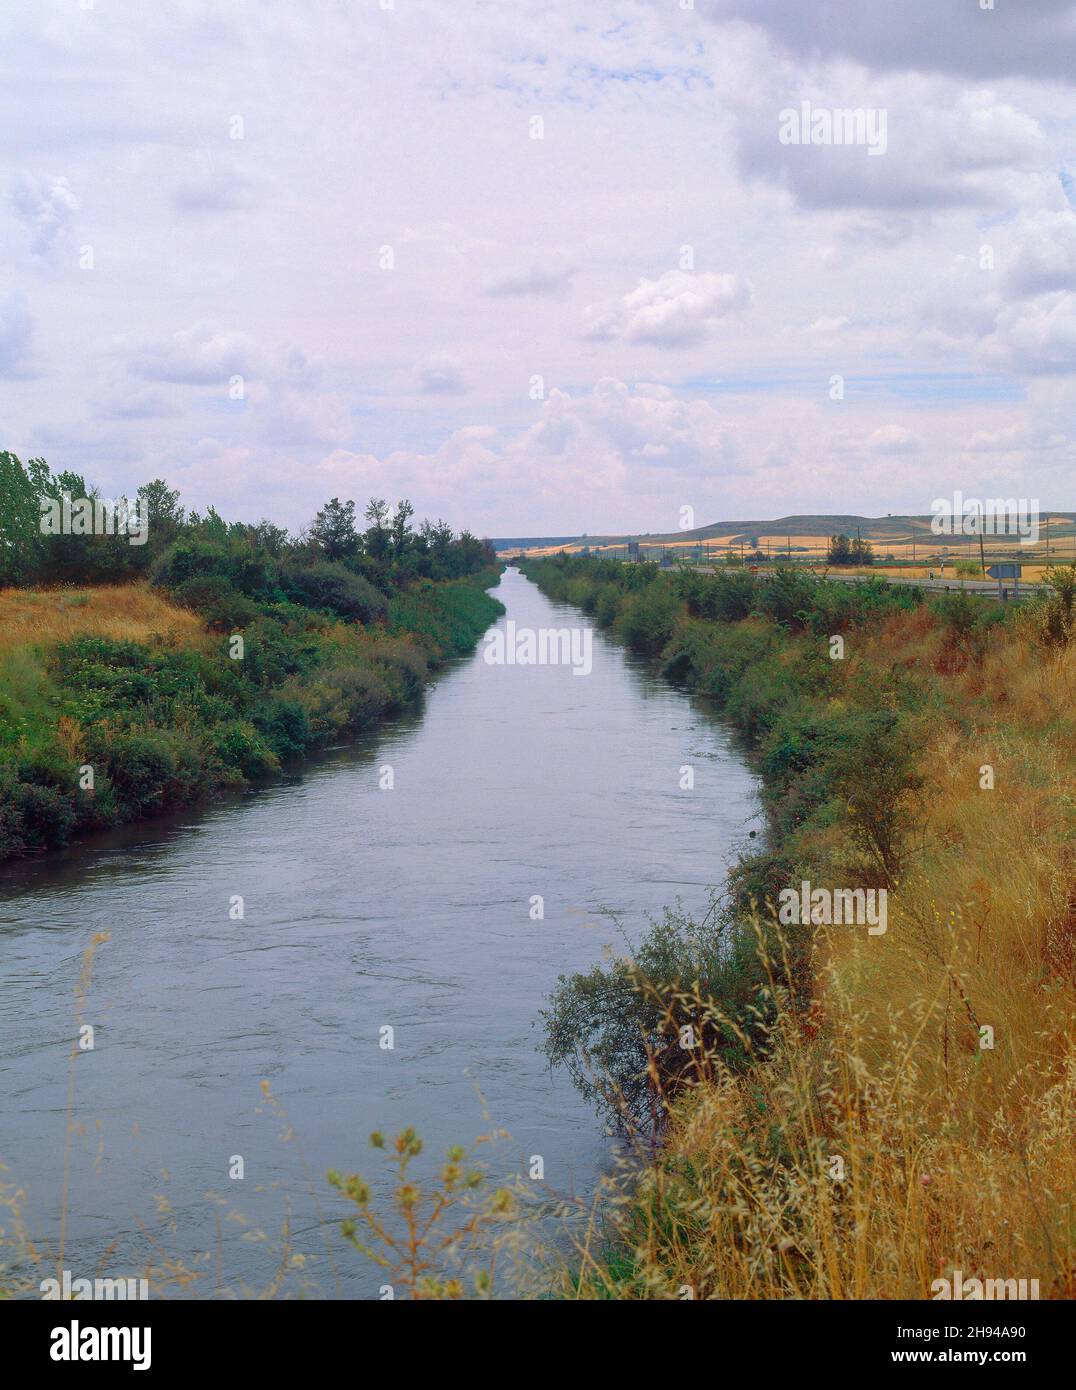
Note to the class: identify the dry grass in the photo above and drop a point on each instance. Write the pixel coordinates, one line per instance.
(122, 612)
(952, 1154)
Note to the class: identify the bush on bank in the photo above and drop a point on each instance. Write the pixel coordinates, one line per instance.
(339, 627)
(835, 746)
(162, 726)
(761, 651)
(858, 1116)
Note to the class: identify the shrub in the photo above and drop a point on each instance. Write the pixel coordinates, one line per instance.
(404, 666)
(285, 726)
(725, 597)
(713, 658)
(240, 747)
(11, 841)
(873, 770)
(362, 692)
(251, 573)
(446, 618)
(960, 612)
(606, 604)
(606, 1025)
(333, 587)
(222, 606)
(141, 766)
(648, 618)
(757, 697)
(1053, 616)
(47, 765)
(787, 596)
(272, 655)
(32, 817)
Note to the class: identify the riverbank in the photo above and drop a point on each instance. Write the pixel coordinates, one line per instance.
(362, 907)
(117, 703)
(855, 1113)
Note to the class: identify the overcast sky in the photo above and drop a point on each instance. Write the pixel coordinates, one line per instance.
(640, 311)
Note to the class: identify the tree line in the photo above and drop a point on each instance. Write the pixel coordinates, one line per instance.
(387, 552)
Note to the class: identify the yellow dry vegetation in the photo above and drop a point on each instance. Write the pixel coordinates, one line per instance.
(122, 612)
(919, 1117)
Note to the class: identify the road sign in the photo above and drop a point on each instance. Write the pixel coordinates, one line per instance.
(1009, 570)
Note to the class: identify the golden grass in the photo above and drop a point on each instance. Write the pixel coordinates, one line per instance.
(122, 612)
(951, 1154)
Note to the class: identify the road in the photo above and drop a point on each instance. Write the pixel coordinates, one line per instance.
(987, 587)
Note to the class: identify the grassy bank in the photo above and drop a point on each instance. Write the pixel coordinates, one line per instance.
(853, 1115)
(150, 656)
(115, 703)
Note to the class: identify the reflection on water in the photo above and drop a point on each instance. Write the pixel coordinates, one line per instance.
(363, 909)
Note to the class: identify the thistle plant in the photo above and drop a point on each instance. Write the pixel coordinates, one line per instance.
(435, 1239)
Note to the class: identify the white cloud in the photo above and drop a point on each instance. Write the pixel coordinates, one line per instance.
(943, 149)
(826, 325)
(197, 356)
(1042, 254)
(680, 309)
(648, 423)
(1036, 337)
(1035, 39)
(46, 206)
(441, 373)
(537, 279)
(894, 439)
(1013, 438)
(413, 129)
(886, 439)
(289, 416)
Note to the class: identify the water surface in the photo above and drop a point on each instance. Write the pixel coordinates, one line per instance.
(364, 909)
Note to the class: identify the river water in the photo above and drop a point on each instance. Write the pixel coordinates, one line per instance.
(365, 908)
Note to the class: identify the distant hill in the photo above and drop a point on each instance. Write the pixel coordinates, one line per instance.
(880, 529)
(500, 543)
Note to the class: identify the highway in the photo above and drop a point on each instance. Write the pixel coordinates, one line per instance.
(949, 584)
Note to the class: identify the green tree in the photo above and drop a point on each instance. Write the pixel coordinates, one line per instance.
(840, 550)
(333, 531)
(165, 513)
(22, 490)
(377, 536)
(401, 528)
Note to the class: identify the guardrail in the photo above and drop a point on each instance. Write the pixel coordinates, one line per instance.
(1002, 590)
